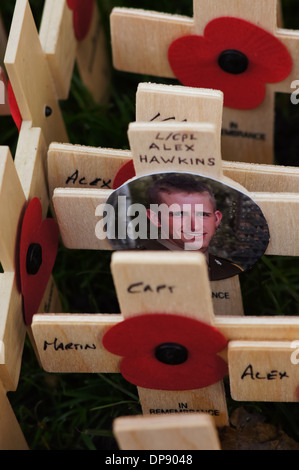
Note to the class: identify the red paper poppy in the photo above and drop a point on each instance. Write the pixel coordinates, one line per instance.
(167, 352)
(125, 173)
(82, 16)
(234, 56)
(14, 108)
(38, 248)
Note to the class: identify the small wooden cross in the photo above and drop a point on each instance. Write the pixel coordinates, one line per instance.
(22, 180)
(71, 203)
(62, 352)
(12, 326)
(59, 42)
(149, 43)
(38, 71)
(260, 350)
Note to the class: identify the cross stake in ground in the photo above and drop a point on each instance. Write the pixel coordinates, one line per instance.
(172, 46)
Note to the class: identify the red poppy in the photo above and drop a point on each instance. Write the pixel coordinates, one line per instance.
(125, 173)
(234, 56)
(167, 352)
(14, 108)
(38, 248)
(82, 16)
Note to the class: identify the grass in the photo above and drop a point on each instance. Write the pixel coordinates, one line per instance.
(76, 411)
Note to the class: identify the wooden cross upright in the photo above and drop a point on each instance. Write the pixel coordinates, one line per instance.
(39, 74)
(63, 47)
(73, 168)
(12, 326)
(152, 43)
(26, 178)
(167, 432)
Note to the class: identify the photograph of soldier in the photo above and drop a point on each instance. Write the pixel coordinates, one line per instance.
(186, 211)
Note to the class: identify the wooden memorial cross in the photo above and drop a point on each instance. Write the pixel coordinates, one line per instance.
(72, 32)
(73, 204)
(70, 343)
(261, 351)
(39, 74)
(241, 33)
(13, 205)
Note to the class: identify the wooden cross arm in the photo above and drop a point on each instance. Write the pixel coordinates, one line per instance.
(140, 40)
(75, 166)
(73, 343)
(156, 31)
(170, 432)
(59, 44)
(76, 208)
(281, 212)
(31, 77)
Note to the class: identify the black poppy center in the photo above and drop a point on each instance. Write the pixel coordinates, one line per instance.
(233, 61)
(34, 258)
(171, 354)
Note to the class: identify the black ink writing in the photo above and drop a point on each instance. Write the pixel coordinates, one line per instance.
(234, 131)
(177, 160)
(183, 410)
(82, 181)
(220, 295)
(141, 287)
(272, 375)
(59, 346)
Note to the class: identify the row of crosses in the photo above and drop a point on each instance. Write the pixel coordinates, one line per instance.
(33, 65)
(81, 179)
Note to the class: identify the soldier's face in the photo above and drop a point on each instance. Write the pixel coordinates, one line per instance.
(191, 218)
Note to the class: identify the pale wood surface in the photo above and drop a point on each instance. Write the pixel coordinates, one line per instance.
(11, 435)
(175, 147)
(192, 299)
(75, 166)
(210, 400)
(279, 209)
(262, 371)
(164, 103)
(73, 343)
(12, 203)
(12, 331)
(180, 432)
(65, 159)
(75, 210)
(29, 72)
(59, 43)
(281, 212)
(30, 162)
(148, 55)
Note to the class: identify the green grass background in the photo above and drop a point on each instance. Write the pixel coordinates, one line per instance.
(76, 411)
